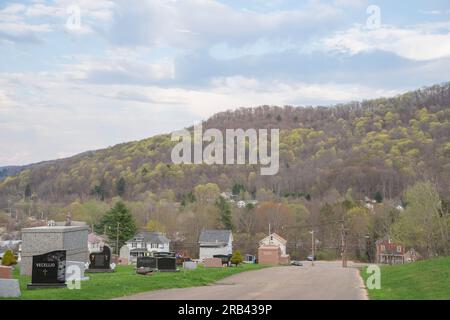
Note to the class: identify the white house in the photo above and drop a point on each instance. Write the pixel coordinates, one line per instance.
(95, 243)
(145, 243)
(241, 204)
(215, 242)
(274, 240)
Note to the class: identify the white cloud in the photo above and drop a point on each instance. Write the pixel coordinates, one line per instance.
(434, 12)
(53, 109)
(14, 28)
(351, 3)
(208, 22)
(13, 8)
(421, 42)
(119, 68)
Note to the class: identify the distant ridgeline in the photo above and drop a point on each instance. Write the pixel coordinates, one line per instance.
(9, 171)
(381, 145)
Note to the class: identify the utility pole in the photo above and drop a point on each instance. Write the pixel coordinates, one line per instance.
(343, 246)
(117, 238)
(313, 249)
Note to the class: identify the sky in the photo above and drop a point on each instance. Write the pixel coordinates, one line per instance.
(84, 75)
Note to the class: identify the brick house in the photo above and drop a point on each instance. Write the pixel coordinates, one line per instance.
(389, 253)
(272, 250)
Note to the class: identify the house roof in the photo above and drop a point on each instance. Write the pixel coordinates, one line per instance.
(275, 236)
(215, 236)
(151, 237)
(94, 238)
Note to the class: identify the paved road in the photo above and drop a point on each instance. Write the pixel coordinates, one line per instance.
(324, 281)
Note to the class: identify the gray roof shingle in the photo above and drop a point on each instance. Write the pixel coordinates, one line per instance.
(212, 236)
(151, 237)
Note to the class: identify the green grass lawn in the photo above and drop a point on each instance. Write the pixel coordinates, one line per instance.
(126, 282)
(422, 280)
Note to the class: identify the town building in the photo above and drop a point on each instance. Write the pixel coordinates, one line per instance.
(274, 239)
(272, 250)
(95, 243)
(144, 244)
(389, 253)
(215, 242)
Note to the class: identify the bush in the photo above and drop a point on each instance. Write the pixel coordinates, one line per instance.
(327, 255)
(237, 258)
(9, 259)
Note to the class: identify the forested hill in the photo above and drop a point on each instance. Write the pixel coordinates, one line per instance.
(380, 145)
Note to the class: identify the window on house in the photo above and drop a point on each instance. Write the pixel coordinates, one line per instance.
(134, 245)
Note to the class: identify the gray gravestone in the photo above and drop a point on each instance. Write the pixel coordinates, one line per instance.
(190, 265)
(40, 240)
(9, 288)
(124, 255)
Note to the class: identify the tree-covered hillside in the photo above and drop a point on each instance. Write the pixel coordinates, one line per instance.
(374, 146)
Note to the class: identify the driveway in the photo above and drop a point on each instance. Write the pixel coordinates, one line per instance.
(324, 281)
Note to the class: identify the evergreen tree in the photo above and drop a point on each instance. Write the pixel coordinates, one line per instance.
(237, 258)
(117, 224)
(237, 189)
(27, 191)
(8, 258)
(378, 197)
(225, 213)
(120, 186)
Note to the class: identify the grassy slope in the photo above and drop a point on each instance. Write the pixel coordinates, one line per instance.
(423, 280)
(126, 282)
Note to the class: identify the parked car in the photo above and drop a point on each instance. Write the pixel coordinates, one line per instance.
(296, 263)
(311, 258)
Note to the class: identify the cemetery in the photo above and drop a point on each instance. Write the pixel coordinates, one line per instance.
(124, 281)
(56, 265)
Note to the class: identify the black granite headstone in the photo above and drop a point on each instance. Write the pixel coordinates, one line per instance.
(167, 264)
(146, 262)
(49, 270)
(164, 254)
(100, 261)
